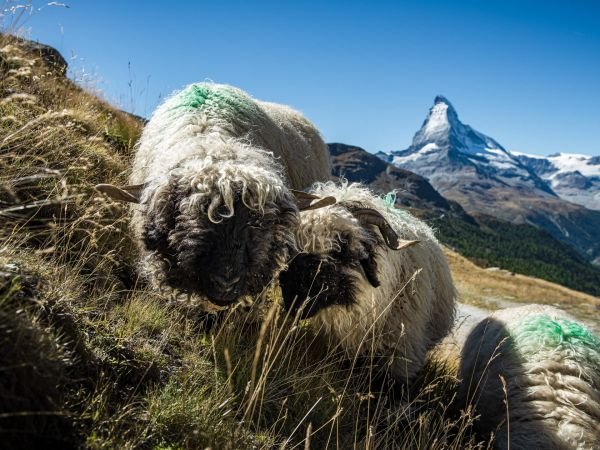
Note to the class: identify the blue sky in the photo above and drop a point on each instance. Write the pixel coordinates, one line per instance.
(525, 72)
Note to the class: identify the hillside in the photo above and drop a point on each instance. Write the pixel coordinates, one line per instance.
(91, 358)
(494, 288)
(484, 239)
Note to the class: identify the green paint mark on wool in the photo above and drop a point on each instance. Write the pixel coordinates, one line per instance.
(542, 333)
(221, 100)
(194, 96)
(390, 200)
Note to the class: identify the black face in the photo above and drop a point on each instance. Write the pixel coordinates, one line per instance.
(222, 261)
(313, 282)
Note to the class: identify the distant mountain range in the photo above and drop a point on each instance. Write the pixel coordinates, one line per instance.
(475, 171)
(575, 178)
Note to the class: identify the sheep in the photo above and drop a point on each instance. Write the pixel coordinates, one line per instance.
(215, 185)
(373, 278)
(532, 374)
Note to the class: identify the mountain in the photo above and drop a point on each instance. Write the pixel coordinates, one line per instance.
(572, 177)
(452, 156)
(474, 170)
(486, 240)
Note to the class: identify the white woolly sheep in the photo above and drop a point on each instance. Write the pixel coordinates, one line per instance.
(214, 175)
(532, 373)
(387, 294)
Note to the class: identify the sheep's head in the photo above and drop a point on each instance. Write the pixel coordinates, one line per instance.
(223, 243)
(339, 251)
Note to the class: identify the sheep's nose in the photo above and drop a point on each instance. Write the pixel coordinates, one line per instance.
(225, 283)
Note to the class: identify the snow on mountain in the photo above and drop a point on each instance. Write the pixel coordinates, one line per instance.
(566, 162)
(442, 127)
(588, 166)
(444, 141)
(574, 177)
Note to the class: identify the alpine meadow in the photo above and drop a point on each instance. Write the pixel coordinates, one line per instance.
(263, 259)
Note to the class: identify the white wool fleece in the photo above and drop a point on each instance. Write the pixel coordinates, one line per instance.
(411, 310)
(216, 138)
(532, 374)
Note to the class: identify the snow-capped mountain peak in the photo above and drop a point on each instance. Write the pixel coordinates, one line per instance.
(444, 139)
(442, 127)
(474, 170)
(441, 122)
(441, 99)
(438, 125)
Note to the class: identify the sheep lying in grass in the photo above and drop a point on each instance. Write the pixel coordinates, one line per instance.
(532, 373)
(372, 277)
(213, 177)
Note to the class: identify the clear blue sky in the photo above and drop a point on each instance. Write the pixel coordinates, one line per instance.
(525, 72)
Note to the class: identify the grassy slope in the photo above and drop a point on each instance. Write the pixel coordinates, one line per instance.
(90, 357)
(493, 288)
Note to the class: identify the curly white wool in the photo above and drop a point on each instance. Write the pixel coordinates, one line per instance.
(410, 311)
(220, 141)
(264, 147)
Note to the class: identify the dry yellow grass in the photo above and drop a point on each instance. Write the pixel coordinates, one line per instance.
(496, 289)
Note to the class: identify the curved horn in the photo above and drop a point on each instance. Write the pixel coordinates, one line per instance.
(306, 201)
(374, 217)
(129, 194)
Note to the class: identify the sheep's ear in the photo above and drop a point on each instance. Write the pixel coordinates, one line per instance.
(405, 244)
(129, 194)
(306, 201)
(371, 216)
